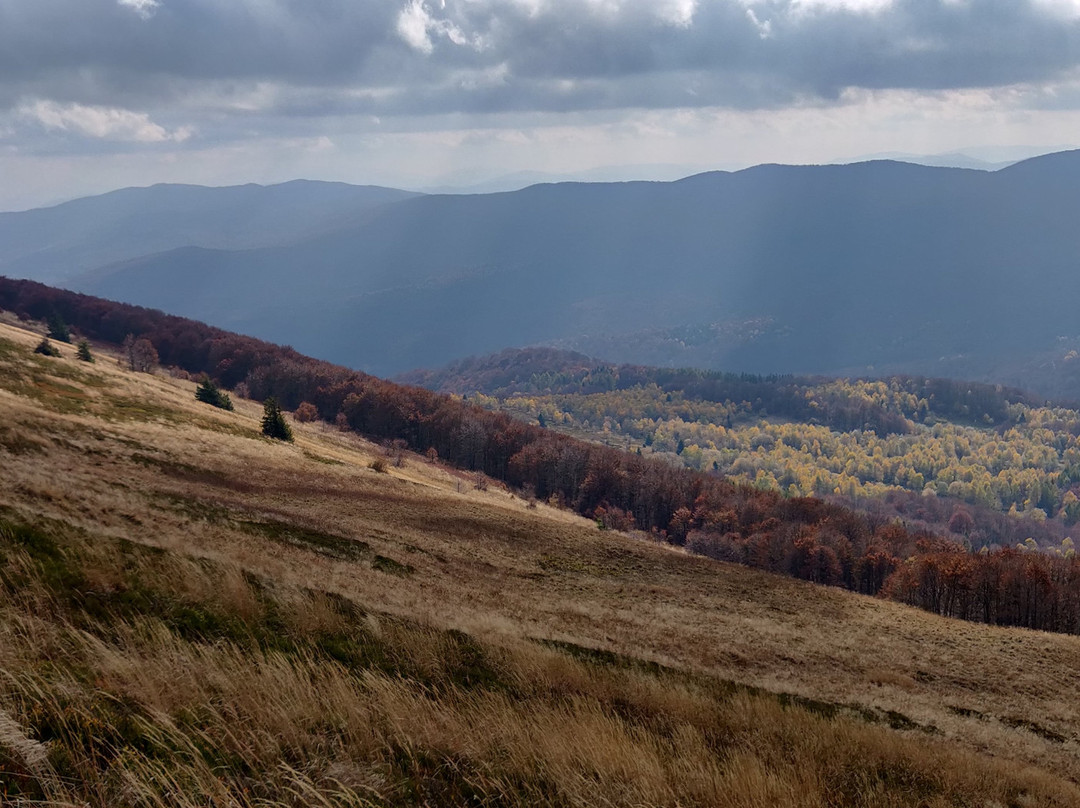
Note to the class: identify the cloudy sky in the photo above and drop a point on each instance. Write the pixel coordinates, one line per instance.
(99, 94)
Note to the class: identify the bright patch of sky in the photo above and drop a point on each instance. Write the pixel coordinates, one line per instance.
(100, 122)
(144, 8)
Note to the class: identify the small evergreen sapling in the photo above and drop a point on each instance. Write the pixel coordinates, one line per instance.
(273, 421)
(211, 394)
(83, 353)
(46, 348)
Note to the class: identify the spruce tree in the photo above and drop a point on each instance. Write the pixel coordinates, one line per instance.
(83, 352)
(58, 329)
(273, 421)
(210, 393)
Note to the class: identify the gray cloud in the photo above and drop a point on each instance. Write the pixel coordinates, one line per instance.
(159, 73)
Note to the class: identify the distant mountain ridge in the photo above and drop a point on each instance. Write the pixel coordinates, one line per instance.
(870, 268)
(59, 242)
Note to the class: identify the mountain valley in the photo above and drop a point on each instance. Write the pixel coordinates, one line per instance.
(873, 268)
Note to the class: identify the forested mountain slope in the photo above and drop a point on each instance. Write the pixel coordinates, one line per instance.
(803, 537)
(954, 454)
(882, 265)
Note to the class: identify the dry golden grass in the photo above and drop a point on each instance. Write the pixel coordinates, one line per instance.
(267, 540)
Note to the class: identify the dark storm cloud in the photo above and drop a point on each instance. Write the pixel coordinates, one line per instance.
(329, 57)
(99, 50)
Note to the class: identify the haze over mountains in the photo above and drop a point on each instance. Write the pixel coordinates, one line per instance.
(57, 243)
(865, 268)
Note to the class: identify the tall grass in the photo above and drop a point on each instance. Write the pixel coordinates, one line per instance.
(137, 677)
(267, 653)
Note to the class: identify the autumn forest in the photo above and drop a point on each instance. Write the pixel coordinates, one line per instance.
(756, 525)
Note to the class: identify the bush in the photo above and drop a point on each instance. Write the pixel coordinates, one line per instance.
(379, 465)
(83, 353)
(46, 348)
(211, 394)
(306, 412)
(273, 421)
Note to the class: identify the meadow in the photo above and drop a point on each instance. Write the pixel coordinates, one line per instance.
(193, 614)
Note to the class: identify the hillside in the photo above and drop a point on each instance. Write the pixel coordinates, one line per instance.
(905, 447)
(798, 536)
(190, 610)
(876, 267)
(59, 243)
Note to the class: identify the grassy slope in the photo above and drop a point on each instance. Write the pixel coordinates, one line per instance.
(296, 637)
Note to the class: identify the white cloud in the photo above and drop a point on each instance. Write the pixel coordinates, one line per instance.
(1068, 9)
(144, 8)
(412, 25)
(317, 144)
(857, 6)
(673, 12)
(677, 12)
(105, 123)
(415, 25)
(764, 28)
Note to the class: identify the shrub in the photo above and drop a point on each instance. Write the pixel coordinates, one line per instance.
(273, 421)
(211, 394)
(379, 465)
(46, 348)
(306, 412)
(83, 353)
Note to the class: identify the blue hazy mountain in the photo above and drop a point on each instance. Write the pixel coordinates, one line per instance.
(56, 243)
(871, 267)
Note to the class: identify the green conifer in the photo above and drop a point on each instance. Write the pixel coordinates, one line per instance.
(46, 348)
(273, 421)
(210, 393)
(58, 329)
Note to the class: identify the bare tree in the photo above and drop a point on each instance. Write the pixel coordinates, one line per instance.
(140, 353)
(127, 352)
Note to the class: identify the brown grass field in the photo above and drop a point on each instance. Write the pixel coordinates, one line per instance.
(194, 615)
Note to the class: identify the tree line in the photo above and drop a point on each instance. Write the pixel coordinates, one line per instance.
(884, 407)
(1031, 468)
(799, 536)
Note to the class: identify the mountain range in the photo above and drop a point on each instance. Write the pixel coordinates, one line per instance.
(873, 267)
(58, 243)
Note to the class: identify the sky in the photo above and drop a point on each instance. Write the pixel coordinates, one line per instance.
(101, 94)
